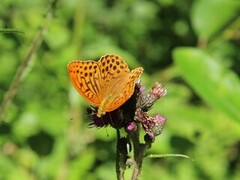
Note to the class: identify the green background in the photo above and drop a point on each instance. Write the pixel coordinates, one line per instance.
(190, 46)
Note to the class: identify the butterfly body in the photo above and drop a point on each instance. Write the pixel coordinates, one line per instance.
(106, 84)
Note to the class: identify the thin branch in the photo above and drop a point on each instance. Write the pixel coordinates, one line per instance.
(11, 30)
(23, 66)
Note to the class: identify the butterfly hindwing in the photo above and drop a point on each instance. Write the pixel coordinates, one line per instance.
(84, 76)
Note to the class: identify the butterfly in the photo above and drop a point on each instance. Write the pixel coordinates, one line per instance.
(106, 84)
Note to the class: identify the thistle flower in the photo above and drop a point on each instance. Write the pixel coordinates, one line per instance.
(134, 112)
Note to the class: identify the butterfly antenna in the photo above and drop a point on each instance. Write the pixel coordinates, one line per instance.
(72, 118)
(110, 117)
(105, 128)
(107, 131)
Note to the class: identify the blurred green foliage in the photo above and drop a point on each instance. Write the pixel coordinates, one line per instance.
(192, 47)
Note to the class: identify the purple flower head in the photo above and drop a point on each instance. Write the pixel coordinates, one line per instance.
(110, 118)
(145, 101)
(131, 127)
(121, 117)
(152, 125)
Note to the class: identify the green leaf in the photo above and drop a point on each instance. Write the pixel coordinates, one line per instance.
(210, 16)
(217, 85)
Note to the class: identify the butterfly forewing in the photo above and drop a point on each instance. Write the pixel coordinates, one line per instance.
(86, 79)
(123, 89)
(111, 66)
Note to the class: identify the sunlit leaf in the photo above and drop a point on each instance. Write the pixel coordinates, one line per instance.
(216, 84)
(209, 16)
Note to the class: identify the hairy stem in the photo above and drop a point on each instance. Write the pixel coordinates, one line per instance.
(121, 156)
(138, 155)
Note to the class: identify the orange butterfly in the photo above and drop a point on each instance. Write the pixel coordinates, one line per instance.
(106, 84)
